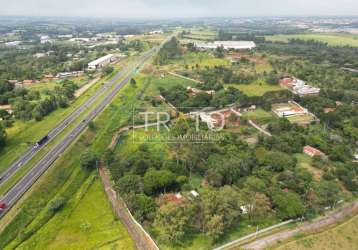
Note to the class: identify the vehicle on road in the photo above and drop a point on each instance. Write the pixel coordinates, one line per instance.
(42, 141)
(2, 206)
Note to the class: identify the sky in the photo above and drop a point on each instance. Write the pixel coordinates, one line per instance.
(177, 8)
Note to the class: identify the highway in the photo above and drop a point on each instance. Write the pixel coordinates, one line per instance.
(15, 193)
(31, 152)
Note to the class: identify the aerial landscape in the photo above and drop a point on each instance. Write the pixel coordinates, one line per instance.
(197, 125)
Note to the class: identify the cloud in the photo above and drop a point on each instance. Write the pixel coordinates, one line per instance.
(177, 8)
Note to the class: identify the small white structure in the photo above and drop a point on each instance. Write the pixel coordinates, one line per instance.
(246, 208)
(69, 74)
(355, 157)
(237, 45)
(101, 62)
(194, 193)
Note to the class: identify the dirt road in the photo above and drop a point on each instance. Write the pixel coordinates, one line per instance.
(308, 226)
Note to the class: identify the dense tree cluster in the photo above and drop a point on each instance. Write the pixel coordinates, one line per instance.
(170, 50)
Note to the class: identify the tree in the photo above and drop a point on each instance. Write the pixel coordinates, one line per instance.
(288, 205)
(88, 160)
(215, 227)
(224, 203)
(133, 82)
(220, 52)
(172, 221)
(142, 206)
(108, 70)
(328, 193)
(2, 136)
(129, 183)
(158, 181)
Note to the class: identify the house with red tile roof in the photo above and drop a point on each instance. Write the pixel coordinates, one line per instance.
(311, 151)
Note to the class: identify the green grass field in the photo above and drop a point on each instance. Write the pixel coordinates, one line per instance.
(255, 89)
(341, 237)
(90, 224)
(259, 115)
(191, 59)
(333, 39)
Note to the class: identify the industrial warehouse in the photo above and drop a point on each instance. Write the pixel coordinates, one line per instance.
(101, 62)
(227, 45)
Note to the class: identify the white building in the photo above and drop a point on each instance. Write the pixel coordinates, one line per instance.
(301, 88)
(238, 45)
(100, 62)
(155, 32)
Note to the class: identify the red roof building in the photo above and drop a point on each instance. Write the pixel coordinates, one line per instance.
(311, 151)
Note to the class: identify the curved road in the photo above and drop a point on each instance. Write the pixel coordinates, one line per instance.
(42, 165)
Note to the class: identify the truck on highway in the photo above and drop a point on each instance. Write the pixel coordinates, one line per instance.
(42, 141)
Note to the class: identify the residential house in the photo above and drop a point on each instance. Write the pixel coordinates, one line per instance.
(311, 151)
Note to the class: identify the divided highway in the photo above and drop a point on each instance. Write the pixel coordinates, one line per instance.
(31, 152)
(42, 165)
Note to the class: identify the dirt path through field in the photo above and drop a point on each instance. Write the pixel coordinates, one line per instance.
(306, 227)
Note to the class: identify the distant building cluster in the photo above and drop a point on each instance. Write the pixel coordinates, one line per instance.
(298, 86)
(227, 45)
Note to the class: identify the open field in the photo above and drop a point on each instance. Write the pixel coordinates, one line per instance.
(341, 237)
(302, 119)
(201, 34)
(305, 161)
(259, 115)
(255, 89)
(90, 224)
(203, 59)
(334, 39)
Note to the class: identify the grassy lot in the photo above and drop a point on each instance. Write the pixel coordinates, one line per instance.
(90, 224)
(201, 34)
(341, 237)
(259, 115)
(301, 119)
(304, 161)
(190, 59)
(334, 39)
(255, 89)
(166, 82)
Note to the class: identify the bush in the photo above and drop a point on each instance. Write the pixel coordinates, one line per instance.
(56, 204)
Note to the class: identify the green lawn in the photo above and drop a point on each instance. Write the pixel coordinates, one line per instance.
(255, 89)
(203, 59)
(259, 115)
(301, 119)
(90, 224)
(334, 39)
